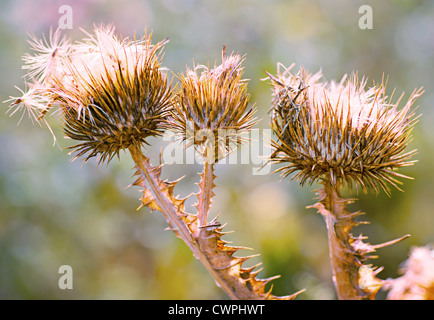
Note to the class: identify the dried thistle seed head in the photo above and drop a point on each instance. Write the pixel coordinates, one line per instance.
(340, 132)
(115, 95)
(112, 92)
(211, 108)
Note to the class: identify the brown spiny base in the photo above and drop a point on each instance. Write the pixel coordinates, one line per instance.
(352, 278)
(204, 240)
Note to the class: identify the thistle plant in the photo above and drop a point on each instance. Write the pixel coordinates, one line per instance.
(113, 95)
(340, 134)
(211, 113)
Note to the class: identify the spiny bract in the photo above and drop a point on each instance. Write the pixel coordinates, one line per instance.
(339, 132)
(112, 92)
(211, 109)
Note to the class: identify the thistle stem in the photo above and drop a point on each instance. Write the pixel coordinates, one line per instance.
(203, 240)
(170, 212)
(205, 195)
(352, 278)
(344, 262)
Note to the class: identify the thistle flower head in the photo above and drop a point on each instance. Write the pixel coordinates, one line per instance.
(112, 92)
(211, 108)
(339, 132)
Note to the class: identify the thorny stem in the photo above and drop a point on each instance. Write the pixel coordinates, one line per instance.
(203, 240)
(353, 280)
(344, 264)
(205, 195)
(169, 211)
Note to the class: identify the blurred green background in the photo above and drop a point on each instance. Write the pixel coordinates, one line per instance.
(54, 212)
